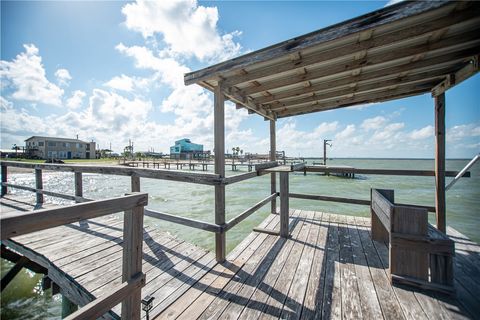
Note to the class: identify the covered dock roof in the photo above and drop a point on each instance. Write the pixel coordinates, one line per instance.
(402, 50)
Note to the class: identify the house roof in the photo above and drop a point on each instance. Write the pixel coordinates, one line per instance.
(57, 139)
(402, 50)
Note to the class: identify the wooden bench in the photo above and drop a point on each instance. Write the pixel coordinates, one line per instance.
(419, 254)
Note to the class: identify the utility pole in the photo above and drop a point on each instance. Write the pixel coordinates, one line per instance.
(325, 144)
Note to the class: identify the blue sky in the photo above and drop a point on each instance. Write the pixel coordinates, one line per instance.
(113, 71)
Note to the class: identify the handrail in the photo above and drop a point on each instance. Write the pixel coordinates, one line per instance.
(102, 305)
(184, 221)
(350, 201)
(462, 172)
(181, 176)
(391, 172)
(14, 224)
(242, 216)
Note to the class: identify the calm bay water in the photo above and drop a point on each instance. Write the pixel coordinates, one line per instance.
(24, 300)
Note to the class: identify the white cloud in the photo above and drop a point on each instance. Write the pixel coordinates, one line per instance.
(297, 142)
(75, 101)
(363, 106)
(169, 71)
(388, 132)
(460, 132)
(63, 77)
(373, 123)
(346, 133)
(26, 76)
(187, 28)
(114, 111)
(121, 82)
(423, 133)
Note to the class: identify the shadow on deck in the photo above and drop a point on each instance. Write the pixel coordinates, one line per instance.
(328, 268)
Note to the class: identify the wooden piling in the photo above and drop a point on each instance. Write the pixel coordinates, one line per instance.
(219, 137)
(135, 184)
(284, 204)
(273, 156)
(68, 307)
(132, 259)
(39, 185)
(4, 172)
(440, 162)
(78, 184)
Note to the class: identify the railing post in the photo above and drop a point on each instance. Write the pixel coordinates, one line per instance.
(132, 259)
(4, 179)
(39, 184)
(440, 162)
(135, 184)
(78, 185)
(273, 157)
(219, 141)
(284, 205)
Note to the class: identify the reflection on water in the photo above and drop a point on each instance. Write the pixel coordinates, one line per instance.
(197, 201)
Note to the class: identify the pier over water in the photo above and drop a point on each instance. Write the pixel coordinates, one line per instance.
(296, 264)
(329, 266)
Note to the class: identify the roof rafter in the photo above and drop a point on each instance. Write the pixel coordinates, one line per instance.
(360, 99)
(446, 45)
(397, 72)
(402, 50)
(385, 40)
(359, 89)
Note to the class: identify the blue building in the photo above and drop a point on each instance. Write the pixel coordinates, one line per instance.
(185, 149)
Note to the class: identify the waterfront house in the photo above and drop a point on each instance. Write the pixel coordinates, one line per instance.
(59, 148)
(185, 149)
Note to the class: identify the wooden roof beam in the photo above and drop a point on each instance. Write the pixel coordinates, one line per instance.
(247, 103)
(445, 63)
(360, 99)
(455, 78)
(422, 30)
(384, 20)
(360, 89)
(450, 44)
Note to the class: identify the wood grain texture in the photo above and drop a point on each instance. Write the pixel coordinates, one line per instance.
(284, 204)
(329, 265)
(219, 141)
(273, 157)
(39, 184)
(440, 162)
(18, 224)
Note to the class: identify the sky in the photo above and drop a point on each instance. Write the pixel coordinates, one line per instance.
(113, 72)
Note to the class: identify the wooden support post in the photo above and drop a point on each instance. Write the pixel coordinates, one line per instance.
(39, 185)
(273, 156)
(284, 206)
(135, 184)
(78, 184)
(6, 279)
(4, 179)
(68, 307)
(440, 204)
(219, 139)
(132, 259)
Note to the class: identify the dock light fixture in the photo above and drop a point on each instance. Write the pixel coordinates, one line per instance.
(147, 305)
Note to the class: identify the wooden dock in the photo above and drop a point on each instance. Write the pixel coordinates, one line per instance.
(328, 268)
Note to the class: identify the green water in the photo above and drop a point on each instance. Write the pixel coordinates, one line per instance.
(23, 300)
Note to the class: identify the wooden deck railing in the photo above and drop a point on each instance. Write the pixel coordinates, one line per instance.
(221, 226)
(129, 292)
(136, 174)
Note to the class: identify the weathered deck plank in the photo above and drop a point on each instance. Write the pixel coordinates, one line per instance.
(328, 268)
(369, 303)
